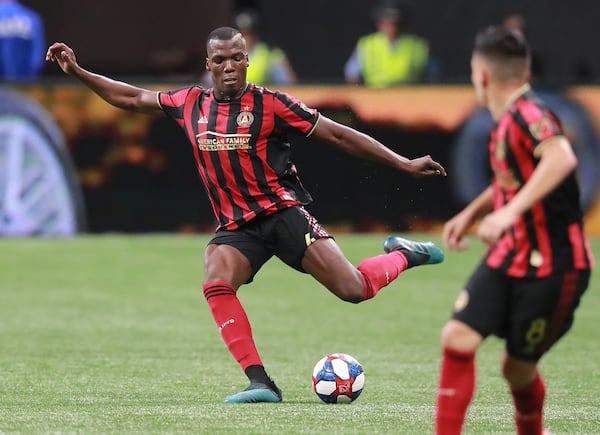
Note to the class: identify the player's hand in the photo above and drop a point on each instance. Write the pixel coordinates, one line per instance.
(63, 55)
(425, 166)
(454, 231)
(494, 224)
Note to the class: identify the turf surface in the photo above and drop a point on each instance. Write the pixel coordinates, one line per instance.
(111, 334)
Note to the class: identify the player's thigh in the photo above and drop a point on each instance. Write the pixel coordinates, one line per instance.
(235, 256)
(295, 232)
(483, 303)
(325, 261)
(304, 245)
(543, 311)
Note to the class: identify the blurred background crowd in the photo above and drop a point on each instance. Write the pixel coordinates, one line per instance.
(319, 37)
(132, 173)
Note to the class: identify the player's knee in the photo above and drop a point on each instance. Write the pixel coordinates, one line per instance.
(458, 335)
(352, 297)
(518, 373)
(348, 292)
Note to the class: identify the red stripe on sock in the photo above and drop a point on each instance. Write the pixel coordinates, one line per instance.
(529, 405)
(233, 323)
(455, 391)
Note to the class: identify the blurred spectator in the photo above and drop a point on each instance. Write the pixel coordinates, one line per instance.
(268, 65)
(390, 56)
(517, 21)
(22, 41)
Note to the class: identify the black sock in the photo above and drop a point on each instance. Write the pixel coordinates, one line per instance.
(257, 373)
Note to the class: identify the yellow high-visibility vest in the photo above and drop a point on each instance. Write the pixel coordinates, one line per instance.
(384, 65)
(262, 59)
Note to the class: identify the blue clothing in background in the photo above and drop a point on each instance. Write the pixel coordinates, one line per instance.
(22, 42)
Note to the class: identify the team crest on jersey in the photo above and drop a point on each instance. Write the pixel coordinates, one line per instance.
(245, 118)
(542, 130)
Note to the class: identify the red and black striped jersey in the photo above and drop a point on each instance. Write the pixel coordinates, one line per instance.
(241, 148)
(549, 236)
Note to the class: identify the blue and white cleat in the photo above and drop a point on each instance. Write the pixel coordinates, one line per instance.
(416, 253)
(256, 393)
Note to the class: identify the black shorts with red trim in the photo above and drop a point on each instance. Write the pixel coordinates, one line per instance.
(285, 234)
(530, 314)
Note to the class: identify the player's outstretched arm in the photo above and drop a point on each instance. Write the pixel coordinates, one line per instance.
(362, 145)
(119, 94)
(457, 227)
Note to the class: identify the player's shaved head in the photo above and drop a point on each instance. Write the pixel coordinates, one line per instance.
(505, 51)
(224, 34)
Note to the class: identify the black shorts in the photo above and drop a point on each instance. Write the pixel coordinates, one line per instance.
(285, 234)
(530, 314)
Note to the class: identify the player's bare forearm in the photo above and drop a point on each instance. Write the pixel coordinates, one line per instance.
(481, 205)
(364, 146)
(119, 94)
(457, 227)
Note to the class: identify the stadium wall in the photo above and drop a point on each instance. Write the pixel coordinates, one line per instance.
(138, 174)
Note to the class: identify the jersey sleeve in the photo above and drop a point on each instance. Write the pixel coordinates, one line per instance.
(539, 124)
(293, 114)
(173, 102)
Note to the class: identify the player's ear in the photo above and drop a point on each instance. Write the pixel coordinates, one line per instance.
(485, 74)
(207, 63)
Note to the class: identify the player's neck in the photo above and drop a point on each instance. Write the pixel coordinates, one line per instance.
(503, 96)
(222, 96)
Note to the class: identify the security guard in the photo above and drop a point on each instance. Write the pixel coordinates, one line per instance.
(268, 65)
(389, 56)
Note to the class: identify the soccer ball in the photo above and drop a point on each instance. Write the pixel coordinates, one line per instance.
(338, 378)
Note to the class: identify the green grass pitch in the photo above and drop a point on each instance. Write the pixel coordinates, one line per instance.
(111, 334)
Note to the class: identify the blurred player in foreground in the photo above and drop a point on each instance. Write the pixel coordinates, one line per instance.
(238, 134)
(538, 263)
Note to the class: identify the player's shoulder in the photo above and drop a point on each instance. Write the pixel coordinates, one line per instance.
(529, 107)
(198, 89)
(194, 89)
(268, 93)
(278, 98)
(530, 114)
(183, 95)
(258, 89)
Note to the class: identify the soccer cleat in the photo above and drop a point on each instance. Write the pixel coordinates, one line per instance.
(416, 253)
(255, 393)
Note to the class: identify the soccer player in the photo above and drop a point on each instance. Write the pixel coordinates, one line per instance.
(238, 134)
(537, 266)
